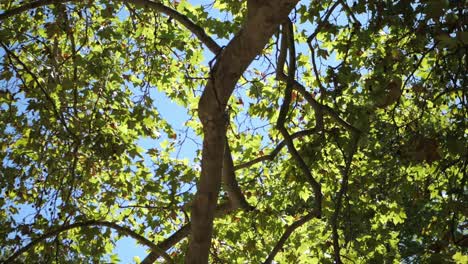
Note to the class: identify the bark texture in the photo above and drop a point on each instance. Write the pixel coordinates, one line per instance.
(230, 184)
(264, 17)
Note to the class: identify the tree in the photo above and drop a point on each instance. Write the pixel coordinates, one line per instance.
(337, 130)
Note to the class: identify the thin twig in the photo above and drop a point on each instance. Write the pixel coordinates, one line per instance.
(58, 115)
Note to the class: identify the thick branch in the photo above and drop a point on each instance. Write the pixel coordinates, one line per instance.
(157, 6)
(276, 150)
(288, 33)
(236, 197)
(339, 198)
(182, 233)
(184, 20)
(322, 21)
(28, 6)
(118, 228)
(287, 233)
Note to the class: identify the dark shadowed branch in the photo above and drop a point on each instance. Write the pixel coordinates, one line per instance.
(28, 6)
(288, 39)
(184, 20)
(182, 233)
(230, 184)
(287, 233)
(339, 198)
(276, 150)
(121, 229)
(154, 5)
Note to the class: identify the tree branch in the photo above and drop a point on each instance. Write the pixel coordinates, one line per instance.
(184, 20)
(230, 184)
(322, 20)
(56, 112)
(280, 75)
(157, 6)
(182, 233)
(318, 108)
(312, 52)
(339, 198)
(349, 11)
(121, 229)
(277, 149)
(287, 233)
(288, 33)
(28, 6)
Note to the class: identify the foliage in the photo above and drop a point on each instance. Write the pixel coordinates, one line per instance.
(375, 114)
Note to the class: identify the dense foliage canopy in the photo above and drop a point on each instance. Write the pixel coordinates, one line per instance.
(314, 131)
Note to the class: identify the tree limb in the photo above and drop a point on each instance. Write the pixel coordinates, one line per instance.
(280, 75)
(276, 150)
(339, 198)
(182, 19)
(288, 33)
(182, 233)
(323, 19)
(312, 51)
(157, 6)
(28, 6)
(349, 11)
(121, 229)
(287, 233)
(230, 184)
(319, 108)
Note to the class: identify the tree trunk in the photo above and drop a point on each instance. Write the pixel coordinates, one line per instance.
(264, 17)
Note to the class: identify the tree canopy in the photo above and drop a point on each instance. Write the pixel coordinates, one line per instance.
(317, 131)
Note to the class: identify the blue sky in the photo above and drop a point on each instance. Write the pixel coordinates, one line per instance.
(127, 248)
